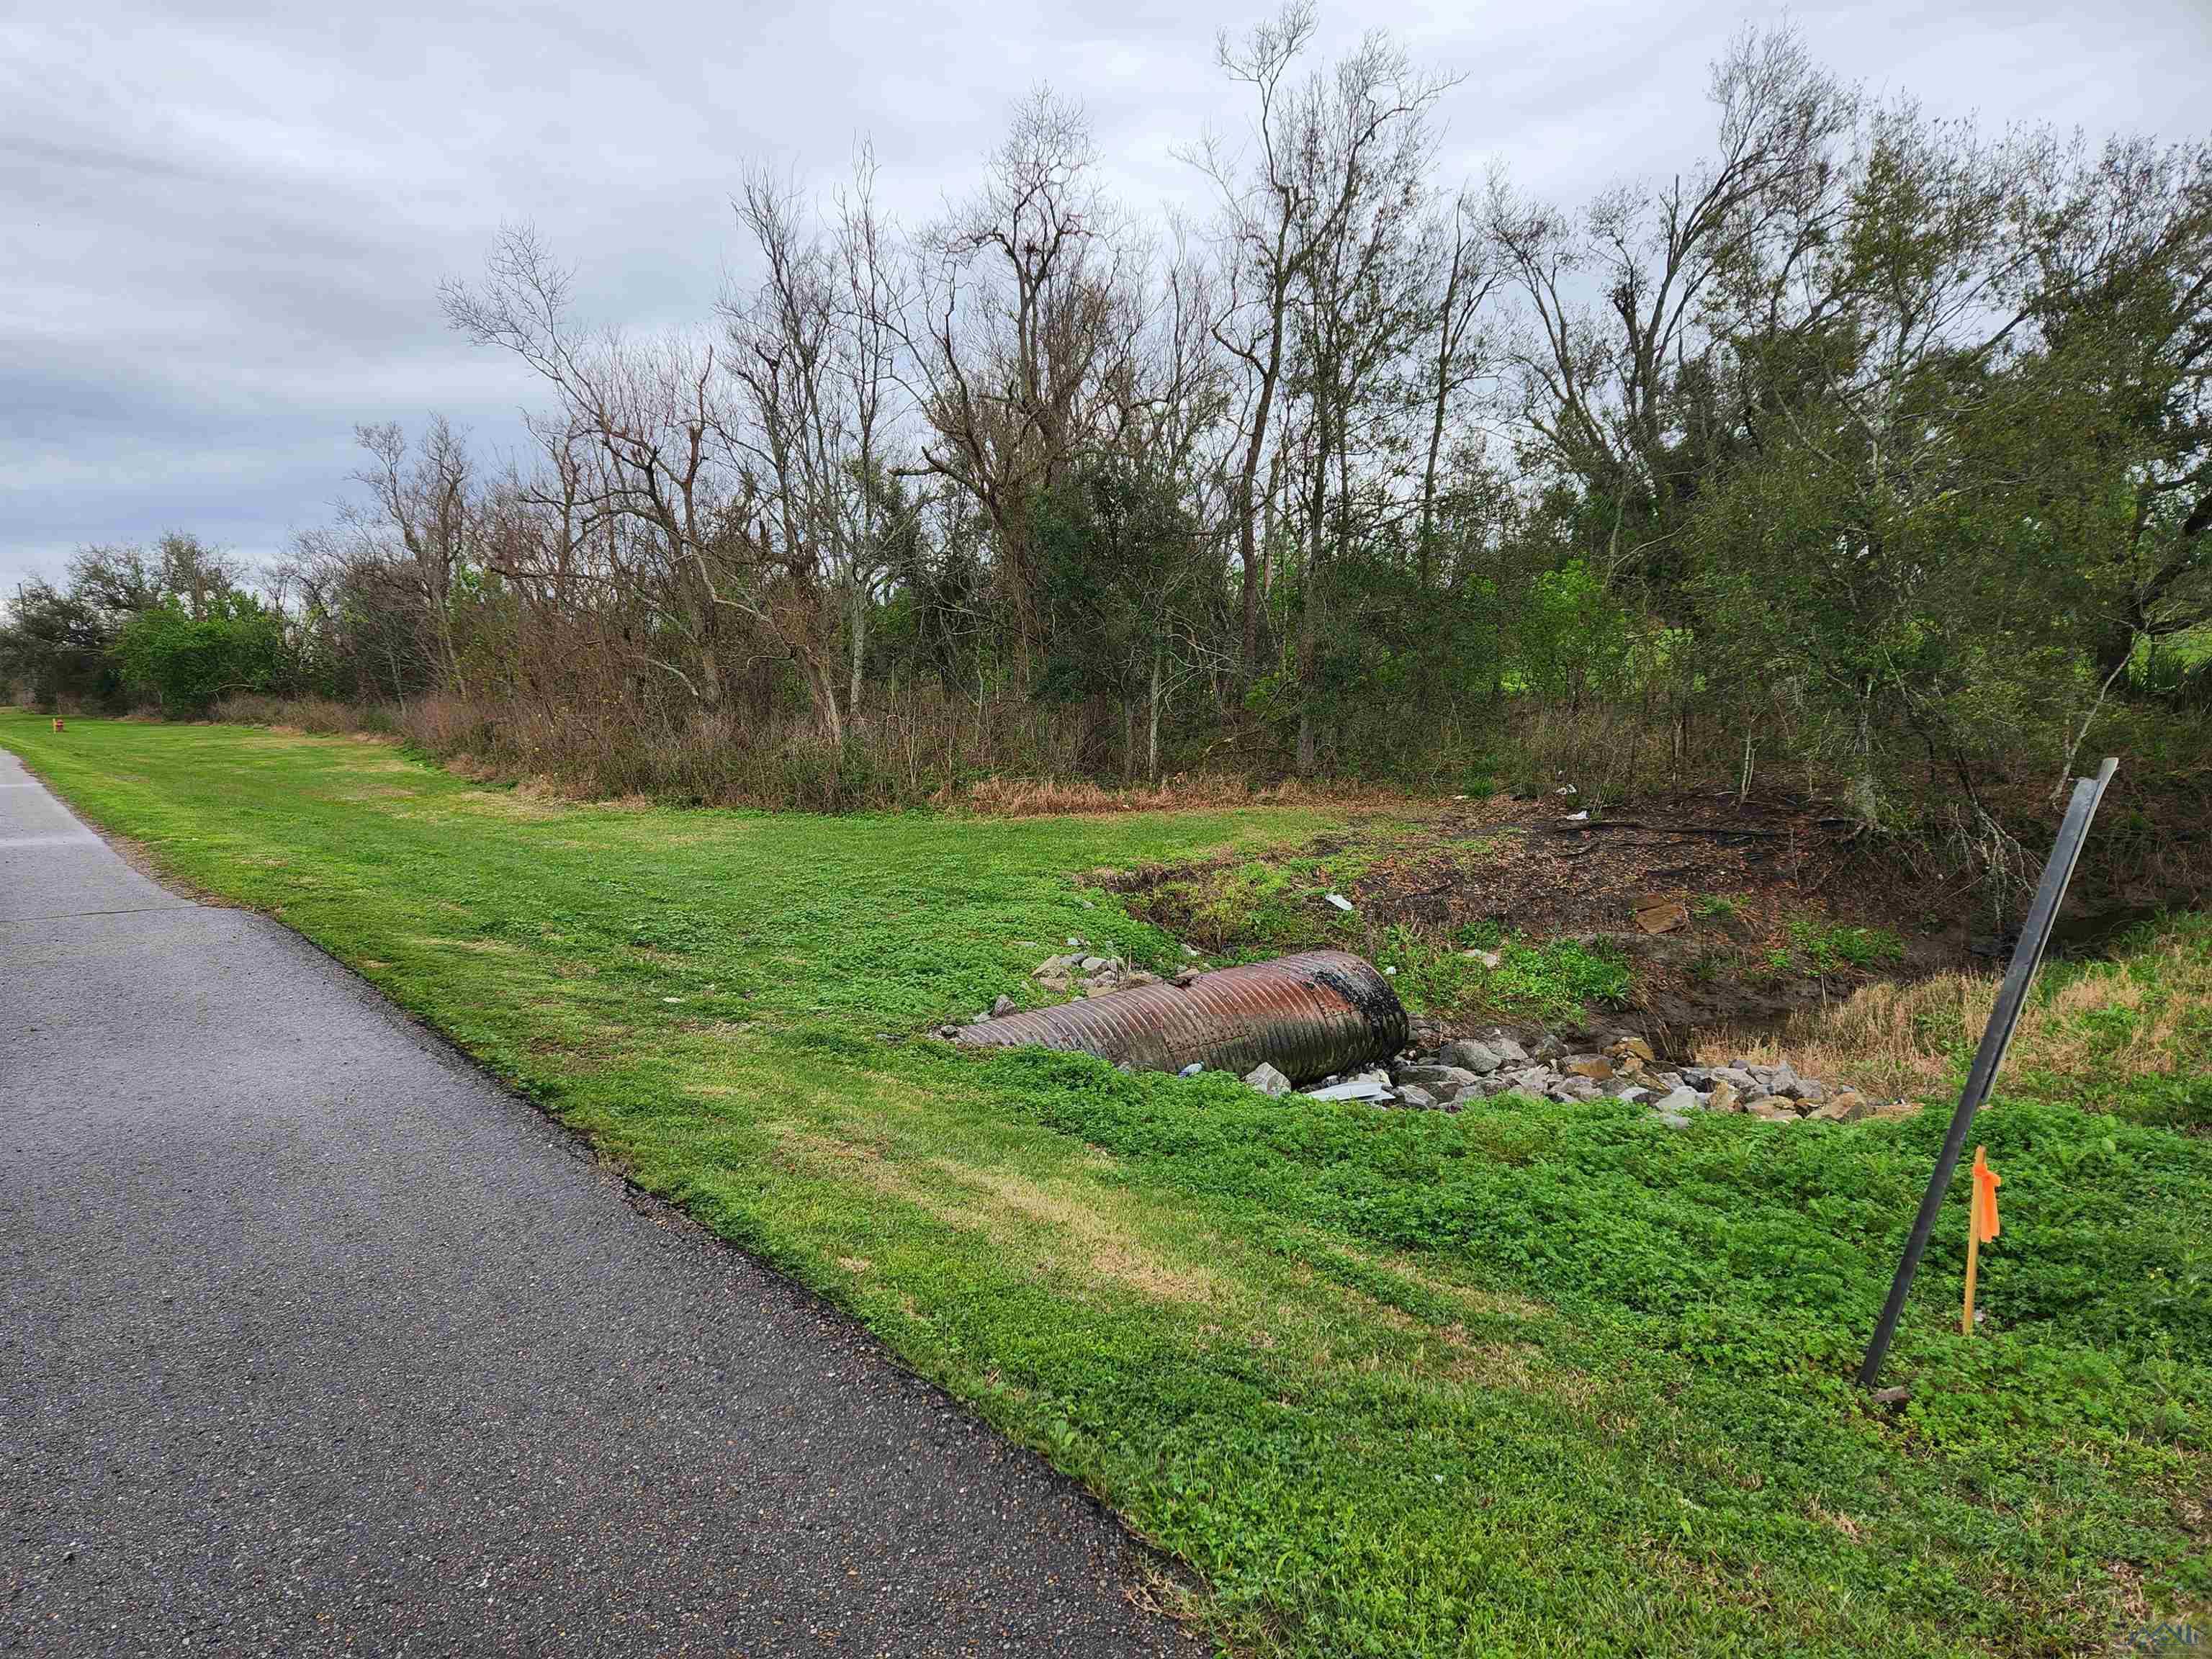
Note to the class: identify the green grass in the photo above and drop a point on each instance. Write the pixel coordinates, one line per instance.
(1826, 948)
(1527, 1378)
(1551, 981)
(1261, 907)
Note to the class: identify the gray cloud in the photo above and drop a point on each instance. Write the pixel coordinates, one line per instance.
(225, 225)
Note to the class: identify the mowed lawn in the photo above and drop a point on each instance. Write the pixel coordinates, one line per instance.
(1527, 1378)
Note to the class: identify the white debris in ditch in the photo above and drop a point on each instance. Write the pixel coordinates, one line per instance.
(1365, 1089)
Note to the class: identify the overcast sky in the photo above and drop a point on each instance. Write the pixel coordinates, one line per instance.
(222, 227)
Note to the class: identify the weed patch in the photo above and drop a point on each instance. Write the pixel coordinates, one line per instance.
(1560, 979)
(1826, 948)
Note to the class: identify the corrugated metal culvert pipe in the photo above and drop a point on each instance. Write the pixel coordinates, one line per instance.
(1308, 1015)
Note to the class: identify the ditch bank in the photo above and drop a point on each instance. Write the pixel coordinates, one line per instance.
(1694, 936)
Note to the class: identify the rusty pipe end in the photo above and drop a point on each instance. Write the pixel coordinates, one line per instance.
(1309, 1015)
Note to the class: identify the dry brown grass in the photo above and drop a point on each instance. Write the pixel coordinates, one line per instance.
(2089, 1028)
(1071, 1229)
(1081, 1235)
(905, 750)
(908, 749)
(1016, 798)
(1888, 1040)
(323, 716)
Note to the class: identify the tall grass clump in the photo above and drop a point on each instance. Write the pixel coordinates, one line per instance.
(2132, 1026)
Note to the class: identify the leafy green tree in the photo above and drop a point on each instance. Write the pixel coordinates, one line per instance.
(59, 642)
(1962, 501)
(1129, 616)
(55, 643)
(185, 662)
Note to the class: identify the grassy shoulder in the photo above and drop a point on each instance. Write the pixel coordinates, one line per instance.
(1529, 1377)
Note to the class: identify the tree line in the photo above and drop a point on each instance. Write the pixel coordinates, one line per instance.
(1867, 456)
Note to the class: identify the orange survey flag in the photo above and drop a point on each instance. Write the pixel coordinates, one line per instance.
(1986, 1182)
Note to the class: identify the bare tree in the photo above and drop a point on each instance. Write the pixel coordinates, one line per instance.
(425, 499)
(1021, 331)
(1595, 383)
(1262, 217)
(797, 434)
(1470, 272)
(1364, 142)
(812, 347)
(654, 417)
(871, 301)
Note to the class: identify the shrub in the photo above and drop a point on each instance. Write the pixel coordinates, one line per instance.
(184, 662)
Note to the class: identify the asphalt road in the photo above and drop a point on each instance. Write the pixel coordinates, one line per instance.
(312, 1340)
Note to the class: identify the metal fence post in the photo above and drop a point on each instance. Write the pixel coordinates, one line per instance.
(2027, 956)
